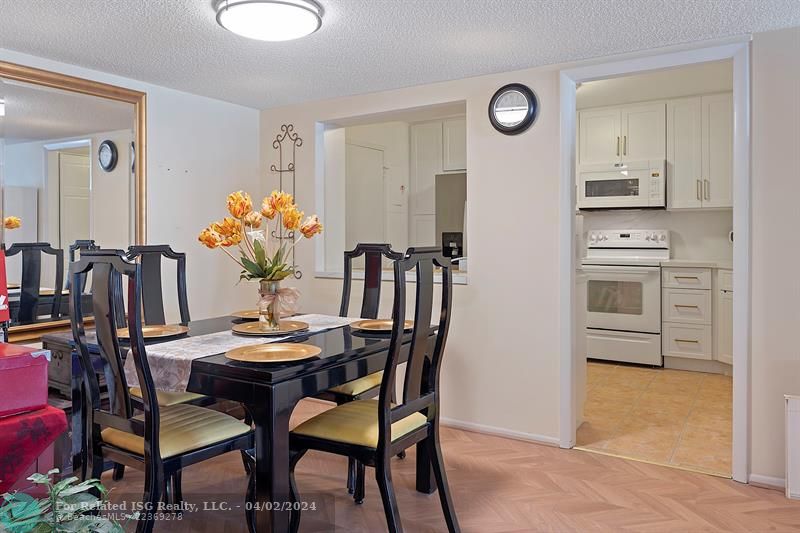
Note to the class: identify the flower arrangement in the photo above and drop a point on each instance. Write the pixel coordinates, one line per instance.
(260, 258)
(12, 222)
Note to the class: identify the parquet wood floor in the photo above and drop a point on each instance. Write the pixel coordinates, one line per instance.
(503, 486)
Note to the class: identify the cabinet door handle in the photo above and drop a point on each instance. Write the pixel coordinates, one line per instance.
(687, 306)
(693, 341)
(617, 145)
(697, 190)
(687, 277)
(625, 145)
(707, 189)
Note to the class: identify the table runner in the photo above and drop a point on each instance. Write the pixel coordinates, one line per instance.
(171, 362)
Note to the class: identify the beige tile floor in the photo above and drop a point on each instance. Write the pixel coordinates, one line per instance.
(669, 417)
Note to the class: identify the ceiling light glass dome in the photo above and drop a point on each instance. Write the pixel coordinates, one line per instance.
(270, 20)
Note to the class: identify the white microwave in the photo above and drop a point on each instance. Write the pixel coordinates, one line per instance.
(622, 185)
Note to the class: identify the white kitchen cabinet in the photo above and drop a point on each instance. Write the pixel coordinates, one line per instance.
(610, 135)
(643, 129)
(724, 317)
(599, 136)
(700, 152)
(426, 162)
(686, 313)
(684, 153)
(454, 144)
(717, 147)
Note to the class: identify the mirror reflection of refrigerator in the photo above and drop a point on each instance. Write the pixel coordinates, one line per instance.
(451, 199)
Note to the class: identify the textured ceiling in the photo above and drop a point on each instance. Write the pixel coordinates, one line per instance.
(363, 45)
(40, 114)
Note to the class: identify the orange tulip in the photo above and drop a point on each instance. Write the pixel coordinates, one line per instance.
(239, 204)
(209, 238)
(252, 219)
(232, 240)
(311, 227)
(292, 218)
(227, 227)
(12, 222)
(267, 210)
(280, 201)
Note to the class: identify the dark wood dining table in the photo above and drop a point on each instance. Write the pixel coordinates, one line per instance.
(270, 392)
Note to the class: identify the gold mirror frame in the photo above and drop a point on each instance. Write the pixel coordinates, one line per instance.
(55, 80)
(64, 82)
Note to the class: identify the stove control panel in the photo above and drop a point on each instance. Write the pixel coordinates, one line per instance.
(635, 238)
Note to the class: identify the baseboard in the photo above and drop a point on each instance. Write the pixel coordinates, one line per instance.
(499, 432)
(768, 482)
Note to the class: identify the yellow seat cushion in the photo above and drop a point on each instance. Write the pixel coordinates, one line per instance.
(183, 428)
(356, 423)
(168, 398)
(360, 385)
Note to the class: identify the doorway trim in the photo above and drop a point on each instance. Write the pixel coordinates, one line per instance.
(737, 50)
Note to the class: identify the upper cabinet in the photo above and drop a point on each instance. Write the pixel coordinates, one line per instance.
(454, 144)
(621, 134)
(700, 152)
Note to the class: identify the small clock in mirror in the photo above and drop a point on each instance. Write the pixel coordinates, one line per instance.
(107, 155)
(513, 109)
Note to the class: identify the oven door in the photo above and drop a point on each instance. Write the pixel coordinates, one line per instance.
(623, 298)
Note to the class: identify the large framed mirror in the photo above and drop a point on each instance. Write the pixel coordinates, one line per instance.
(73, 160)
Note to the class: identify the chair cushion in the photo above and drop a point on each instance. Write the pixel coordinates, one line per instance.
(356, 423)
(183, 428)
(168, 398)
(360, 385)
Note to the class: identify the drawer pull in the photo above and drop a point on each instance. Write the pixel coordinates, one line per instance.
(687, 277)
(693, 341)
(687, 305)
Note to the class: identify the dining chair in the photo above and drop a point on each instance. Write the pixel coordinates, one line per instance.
(150, 257)
(371, 431)
(30, 288)
(74, 250)
(367, 386)
(163, 439)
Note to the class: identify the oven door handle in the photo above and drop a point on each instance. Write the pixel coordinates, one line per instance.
(606, 269)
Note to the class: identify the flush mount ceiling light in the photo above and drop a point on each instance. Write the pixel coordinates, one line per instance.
(270, 20)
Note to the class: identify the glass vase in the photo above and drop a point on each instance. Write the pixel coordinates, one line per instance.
(269, 308)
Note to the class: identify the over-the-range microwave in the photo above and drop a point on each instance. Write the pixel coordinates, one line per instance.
(629, 185)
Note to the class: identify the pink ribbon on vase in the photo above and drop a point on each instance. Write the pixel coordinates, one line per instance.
(287, 299)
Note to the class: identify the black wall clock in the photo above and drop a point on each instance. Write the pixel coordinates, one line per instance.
(513, 109)
(107, 155)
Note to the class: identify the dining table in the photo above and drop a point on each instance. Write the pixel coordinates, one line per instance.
(268, 391)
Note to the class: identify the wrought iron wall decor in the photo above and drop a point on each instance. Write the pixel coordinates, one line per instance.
(291, 139)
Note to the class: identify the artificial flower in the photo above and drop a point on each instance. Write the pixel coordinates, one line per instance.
(233, 239)
(266, 208)
(311, 227)
(252, 219)
(239, 204)
(280, 201)
(292, 218)
(227, 227)
(12, 222)
(210, 238)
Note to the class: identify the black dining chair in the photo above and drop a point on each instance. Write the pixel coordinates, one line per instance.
(150, 257)
(164, 439)
(75, 250)
(367, 386)
(370, 431)
(31, 293)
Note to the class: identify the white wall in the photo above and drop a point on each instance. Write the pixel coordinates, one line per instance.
(502, 355)
(776, 251)
(199, 150)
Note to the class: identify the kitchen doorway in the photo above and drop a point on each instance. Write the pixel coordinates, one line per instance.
(658, 387)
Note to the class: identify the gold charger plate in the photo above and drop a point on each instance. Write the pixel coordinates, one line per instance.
(278, 352)
(381, 325)
(155, 332)
(251, 314)
(254, 328)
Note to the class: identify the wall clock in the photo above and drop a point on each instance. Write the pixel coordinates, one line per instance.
(513, 109)
(107, 155)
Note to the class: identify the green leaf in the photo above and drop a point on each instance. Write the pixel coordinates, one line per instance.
(253, 268)
(261, 257)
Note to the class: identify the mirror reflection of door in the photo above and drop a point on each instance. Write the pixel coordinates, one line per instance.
(364, 197)
(74, 182)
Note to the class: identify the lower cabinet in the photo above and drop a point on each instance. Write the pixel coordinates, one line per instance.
(686, 314)
(687, 340)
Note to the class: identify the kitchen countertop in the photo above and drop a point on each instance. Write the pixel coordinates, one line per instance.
(692, 263)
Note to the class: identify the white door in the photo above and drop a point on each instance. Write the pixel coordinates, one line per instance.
(454, 144)
(684, 154)
(365, 202)
(717, 146)
(74, 183)
(426, 163)
(599, 138)
(724, 321)
(643, 131)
